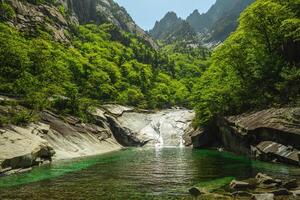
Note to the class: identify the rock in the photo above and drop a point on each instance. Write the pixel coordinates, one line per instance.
(210, 196)
(240, 185)
(296, 193)
(98, 113)
(279, 128)
(198, 138)
(23, 161)
(272, 151)
(281, 192)
(117, 110)
(25, 170)
(161, 128)
(241, 194)
(265, 179)
(263, 196)
(196, 191)
(122, 134)
(209, 186)
(292, 184)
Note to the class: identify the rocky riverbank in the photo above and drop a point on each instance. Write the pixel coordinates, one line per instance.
(261, 187)
(113, 127)
(269, 135)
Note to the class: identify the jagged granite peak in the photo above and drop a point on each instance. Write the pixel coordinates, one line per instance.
(214, 26)
(171, 28)
(59, 15)
(102, 11)
(184, 32)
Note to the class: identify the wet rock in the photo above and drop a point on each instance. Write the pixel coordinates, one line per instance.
(209, 196)
(209, 187)
(241, 194)
(263, 196)
(281, 192)
(292, 184)
(272, 151)
(265, 179)
(122, 134)
(162, 128)
(240, 185)
(196, 191)
(23, 161)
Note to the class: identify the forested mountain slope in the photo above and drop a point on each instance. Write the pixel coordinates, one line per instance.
(53, 62)
(257, 66)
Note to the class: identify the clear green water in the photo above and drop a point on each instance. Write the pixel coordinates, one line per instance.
(135, 174)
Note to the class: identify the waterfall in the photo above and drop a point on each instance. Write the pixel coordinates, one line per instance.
(164, 128)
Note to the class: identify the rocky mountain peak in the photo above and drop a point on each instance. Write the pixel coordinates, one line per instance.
(64, 13)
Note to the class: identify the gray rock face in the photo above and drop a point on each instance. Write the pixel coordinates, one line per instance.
(114, 127)
(272, 151)
(51, 18)
(272, 134)
(45, 15)
(199, 138)
(103, 11)
(163, 128)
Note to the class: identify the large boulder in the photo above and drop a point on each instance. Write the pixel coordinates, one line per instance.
(279, 128)
(272, 151)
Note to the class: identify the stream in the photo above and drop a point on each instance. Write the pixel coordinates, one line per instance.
(142, 173)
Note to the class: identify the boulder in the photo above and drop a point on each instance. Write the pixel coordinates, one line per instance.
(291, 184)
(241, 194)
(241, 185)
(196, 191)
(209, 186)
(23, 161)
(281, 192)
(263, 196)
(265, 179)
(275, 152)
(251, 134)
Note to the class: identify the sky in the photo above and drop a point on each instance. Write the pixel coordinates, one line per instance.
(146, 12)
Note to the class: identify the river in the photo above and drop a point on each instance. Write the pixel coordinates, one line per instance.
(142, 173)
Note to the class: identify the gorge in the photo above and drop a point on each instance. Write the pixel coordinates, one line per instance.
(94, 107)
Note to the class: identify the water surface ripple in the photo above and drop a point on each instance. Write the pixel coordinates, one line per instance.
(165, 173)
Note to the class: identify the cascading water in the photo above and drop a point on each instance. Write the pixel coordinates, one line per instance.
(162, 129)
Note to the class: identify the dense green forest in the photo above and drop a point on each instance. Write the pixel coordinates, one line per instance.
(256, 67)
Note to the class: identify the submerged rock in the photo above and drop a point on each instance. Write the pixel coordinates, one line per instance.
(209, 187)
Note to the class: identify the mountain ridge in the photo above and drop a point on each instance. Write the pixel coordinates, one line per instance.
(214, 26)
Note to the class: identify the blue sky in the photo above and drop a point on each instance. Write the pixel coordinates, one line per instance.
(146, 12)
